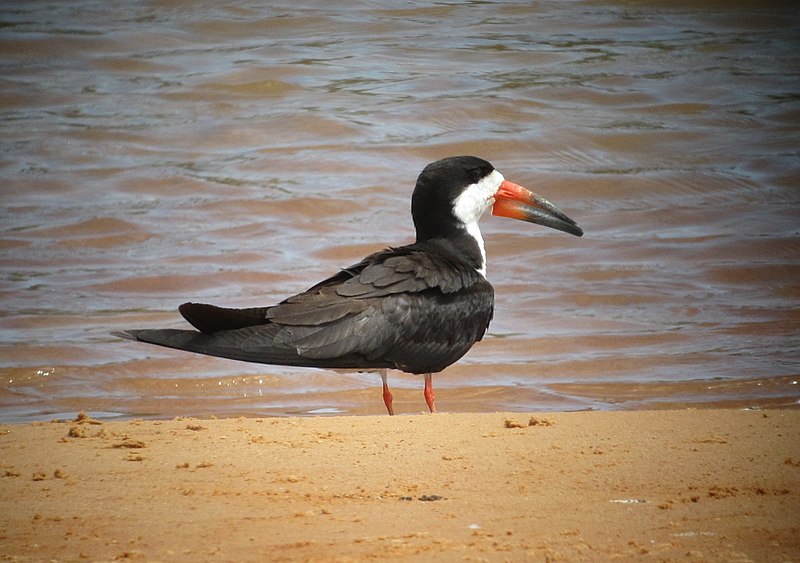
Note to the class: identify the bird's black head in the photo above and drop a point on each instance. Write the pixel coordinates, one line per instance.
(438, 187)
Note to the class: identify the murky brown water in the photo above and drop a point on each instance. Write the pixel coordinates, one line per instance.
(159, 152)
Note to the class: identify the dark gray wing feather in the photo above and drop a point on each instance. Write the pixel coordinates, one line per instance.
(417, 309)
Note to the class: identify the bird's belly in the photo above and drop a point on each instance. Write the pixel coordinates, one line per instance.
(441, 333)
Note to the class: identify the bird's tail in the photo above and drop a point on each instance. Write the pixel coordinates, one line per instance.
(249, 344)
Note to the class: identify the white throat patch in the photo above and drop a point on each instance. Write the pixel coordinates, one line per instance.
(472, 204)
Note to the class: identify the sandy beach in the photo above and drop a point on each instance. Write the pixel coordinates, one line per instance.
(674, 485)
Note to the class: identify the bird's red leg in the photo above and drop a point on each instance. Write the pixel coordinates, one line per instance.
(429, 396)
(387, 395)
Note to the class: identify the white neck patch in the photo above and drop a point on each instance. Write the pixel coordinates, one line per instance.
(472, 204)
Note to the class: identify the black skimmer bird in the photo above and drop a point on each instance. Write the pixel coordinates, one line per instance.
(416, 308)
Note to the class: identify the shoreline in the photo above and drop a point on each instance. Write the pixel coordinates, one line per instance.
(667, 485)
(166, 398)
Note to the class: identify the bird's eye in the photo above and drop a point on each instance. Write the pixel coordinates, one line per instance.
(474, 175)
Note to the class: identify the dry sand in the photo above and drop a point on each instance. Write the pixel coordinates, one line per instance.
(697, 485)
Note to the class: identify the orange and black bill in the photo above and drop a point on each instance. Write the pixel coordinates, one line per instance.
(517, 202)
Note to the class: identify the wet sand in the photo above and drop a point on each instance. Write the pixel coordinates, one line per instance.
(676, 485)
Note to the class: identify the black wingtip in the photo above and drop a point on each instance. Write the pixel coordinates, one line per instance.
(209, 319)
(126, 334)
